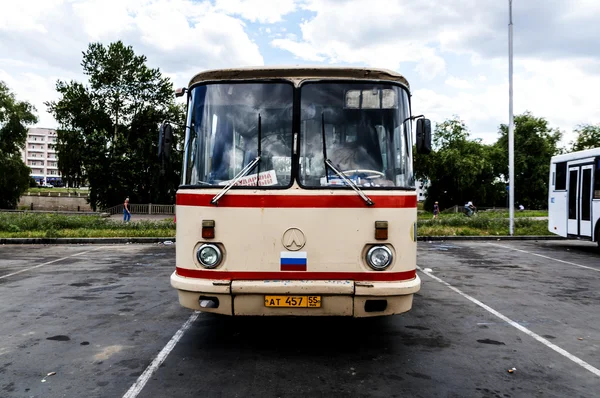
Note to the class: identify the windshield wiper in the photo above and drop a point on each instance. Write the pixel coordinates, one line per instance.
(245, 170)
(352, 184)
(328, 163)
(239, 176)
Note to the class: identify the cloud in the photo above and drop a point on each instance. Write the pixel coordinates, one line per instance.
(453, 52)
(464, 44)
(373, 33)
(42, 41)
(556, 29)
(561, 91)
(422, 31)
(263, 11)
(301, 50)
(455, 82)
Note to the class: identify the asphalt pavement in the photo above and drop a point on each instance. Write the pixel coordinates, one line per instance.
(493, 319)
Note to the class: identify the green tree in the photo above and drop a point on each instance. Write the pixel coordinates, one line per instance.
(14, 174)
(535, 144)
(458, 168)
(70, 147)
(588, 137)
(109, 128)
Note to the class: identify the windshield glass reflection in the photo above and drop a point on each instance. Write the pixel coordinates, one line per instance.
(226, 122)
(362, 129)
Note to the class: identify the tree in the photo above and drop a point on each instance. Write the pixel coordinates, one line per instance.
(70, 146)
(588, 137)
(458, 168)
(109, 128)
(535, 144)
(14, 117)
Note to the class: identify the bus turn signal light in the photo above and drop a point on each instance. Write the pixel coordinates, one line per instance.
(381, 230)
(208, 229)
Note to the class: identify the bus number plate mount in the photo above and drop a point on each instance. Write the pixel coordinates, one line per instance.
(293, 301)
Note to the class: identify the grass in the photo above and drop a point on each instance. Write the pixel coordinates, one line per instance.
(29, 225)
(92, 233)
(490, 213)
(480, 225)
(61, 190)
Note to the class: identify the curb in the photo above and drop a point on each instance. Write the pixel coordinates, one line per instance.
(490, 237)
(82, 241)
(121, 241)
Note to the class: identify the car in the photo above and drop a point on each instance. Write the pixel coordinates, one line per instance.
(46, 185)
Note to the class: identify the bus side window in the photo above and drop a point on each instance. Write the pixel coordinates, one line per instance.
(561, 176)
(597, 179)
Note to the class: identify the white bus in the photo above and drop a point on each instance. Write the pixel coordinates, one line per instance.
(298, 193)
(574, 195)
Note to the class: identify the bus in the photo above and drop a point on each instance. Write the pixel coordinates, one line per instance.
(298, 193)
(574, 195)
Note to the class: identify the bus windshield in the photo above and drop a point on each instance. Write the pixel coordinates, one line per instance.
(363, 130)
(226, 121)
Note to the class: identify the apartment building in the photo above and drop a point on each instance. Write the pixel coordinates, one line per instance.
(422, 186)
(40, 155)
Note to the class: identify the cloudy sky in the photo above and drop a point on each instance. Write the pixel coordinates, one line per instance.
(453, 52)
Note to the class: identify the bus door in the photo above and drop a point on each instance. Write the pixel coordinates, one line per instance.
(580, 201)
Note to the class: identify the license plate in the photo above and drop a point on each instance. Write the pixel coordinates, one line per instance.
(293, 301)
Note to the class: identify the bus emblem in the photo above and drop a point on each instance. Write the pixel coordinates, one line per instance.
(293, 239)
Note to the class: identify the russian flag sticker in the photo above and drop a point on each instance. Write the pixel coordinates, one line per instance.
(293, 261)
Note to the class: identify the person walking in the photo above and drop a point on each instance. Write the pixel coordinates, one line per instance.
(436, 210)
(126, 212)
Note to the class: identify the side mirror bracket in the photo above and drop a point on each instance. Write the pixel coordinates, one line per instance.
(180, 92)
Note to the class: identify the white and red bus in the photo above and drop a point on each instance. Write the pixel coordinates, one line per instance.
(298, 193)
(574, 195)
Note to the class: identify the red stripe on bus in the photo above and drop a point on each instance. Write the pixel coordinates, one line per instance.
(293, 267)
(291, 275)
(298, 201)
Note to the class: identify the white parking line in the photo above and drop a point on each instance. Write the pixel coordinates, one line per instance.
(549, 258)
(137, 387)
(48, 263)
(514, 324)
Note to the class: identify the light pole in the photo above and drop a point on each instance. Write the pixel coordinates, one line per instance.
(511, 126)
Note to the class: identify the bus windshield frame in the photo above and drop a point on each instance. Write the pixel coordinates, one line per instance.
(225, 119)
(362, 127)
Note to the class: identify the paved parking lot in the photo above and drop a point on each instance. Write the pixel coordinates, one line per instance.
(100, 317)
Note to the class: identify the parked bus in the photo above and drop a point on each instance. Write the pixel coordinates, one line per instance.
(298, 193)
(574, 195)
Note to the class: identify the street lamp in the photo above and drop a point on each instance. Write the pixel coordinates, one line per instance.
(511, 126)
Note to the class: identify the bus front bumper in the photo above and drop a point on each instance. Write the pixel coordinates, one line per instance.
(337, 297)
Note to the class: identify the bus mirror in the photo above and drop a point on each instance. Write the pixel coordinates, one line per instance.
(165, 140)
(180, 91)
(423, 136)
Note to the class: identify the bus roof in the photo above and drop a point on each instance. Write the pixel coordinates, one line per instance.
(299, 73)
(588, 153)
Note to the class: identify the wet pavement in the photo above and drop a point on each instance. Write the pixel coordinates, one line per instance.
(98, 316)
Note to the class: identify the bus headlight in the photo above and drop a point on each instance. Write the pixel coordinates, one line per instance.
(379, 257)
(209, 256)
